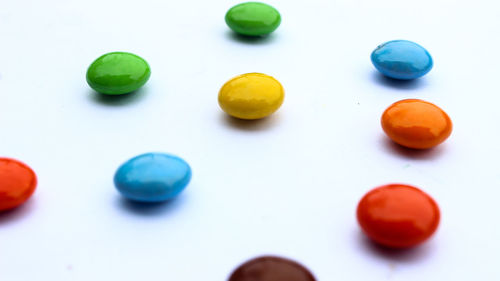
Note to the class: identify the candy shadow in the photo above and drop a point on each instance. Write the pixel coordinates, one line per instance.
(410, 255)
(118, 100)
(385, 81)
(16, 214)
(418, 154)
(254, 40)
(150, 209)
(250, 125)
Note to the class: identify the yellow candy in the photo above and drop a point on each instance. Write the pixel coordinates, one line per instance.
(251, 96)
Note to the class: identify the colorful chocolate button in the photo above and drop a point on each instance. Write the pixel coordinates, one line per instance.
(17, 183)
(118, 73)
(251, 96)
(398, 215)
(416, 124)
(269, 268)
(253, 19)
(401, 59)
(152, 177)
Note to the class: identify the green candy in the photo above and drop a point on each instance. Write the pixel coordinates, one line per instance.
(253, 19)
(118, 73)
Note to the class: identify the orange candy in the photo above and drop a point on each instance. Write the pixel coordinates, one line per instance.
(17, 183)
(416, 124)
(398, 215)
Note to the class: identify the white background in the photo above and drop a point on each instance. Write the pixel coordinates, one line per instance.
(287, 185)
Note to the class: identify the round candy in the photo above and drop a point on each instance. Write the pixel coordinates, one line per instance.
(118, 73)
(152, 177)
(401, 59)
(416, 124)
(253, 19)
(251, 96)
(398, 215)
(271, 269)
(17, 183)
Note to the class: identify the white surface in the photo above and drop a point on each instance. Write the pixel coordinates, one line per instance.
(287, 185)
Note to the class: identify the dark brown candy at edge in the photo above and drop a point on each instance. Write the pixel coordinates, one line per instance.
(269, 268)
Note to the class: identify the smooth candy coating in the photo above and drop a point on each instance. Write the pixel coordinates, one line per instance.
(401, 59)
(251, 96)
(152, 177)
(398, 215)
(271, 269)
(17, 183)
(118, 73)
(253, 19)
(416, 124)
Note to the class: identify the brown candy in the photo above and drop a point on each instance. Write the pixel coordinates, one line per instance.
(269, 268)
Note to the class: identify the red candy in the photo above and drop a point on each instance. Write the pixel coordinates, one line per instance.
(398, 215)
(17, 183)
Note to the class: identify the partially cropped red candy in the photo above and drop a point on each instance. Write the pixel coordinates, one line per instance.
(17, 183)
(398, 215)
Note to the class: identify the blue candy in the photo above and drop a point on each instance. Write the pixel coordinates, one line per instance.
(401, 59)
(152, 177)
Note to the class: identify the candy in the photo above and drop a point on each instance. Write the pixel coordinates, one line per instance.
(152, 177)
(17, 183)
(253, 19)
(251, 96)
(401, 59)
(398, 215)
(269, 268)
(118, 73)
(416, 124)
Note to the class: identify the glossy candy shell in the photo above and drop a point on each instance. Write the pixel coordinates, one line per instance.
(118, 73)
(416, 124)
(152, 177)
(401, 59)
(270, 268)
(17, 183)
(398, 216)
(253, 19)
(251, 96)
